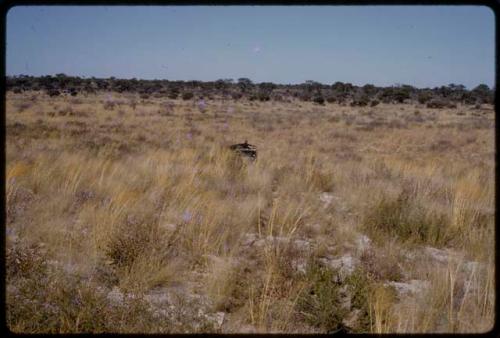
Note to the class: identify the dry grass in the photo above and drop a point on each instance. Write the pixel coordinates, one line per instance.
(114, 192)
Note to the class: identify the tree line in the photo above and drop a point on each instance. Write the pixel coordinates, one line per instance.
(244, 88)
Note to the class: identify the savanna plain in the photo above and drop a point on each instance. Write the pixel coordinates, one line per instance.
(133, 215)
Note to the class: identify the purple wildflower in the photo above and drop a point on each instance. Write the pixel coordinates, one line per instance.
(187, 216)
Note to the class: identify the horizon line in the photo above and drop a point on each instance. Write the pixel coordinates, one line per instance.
(396, 84)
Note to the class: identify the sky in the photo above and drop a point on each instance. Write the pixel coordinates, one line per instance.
(422, 46)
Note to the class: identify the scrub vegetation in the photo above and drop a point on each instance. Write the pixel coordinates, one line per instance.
(128, 212)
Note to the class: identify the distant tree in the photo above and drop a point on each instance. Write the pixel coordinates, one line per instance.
(312, 86)
(468, 98)
(244, 84)
(361, 101)
(424, 96)
(338, 87)
(369, 89)
(401, 94)
(483, 93)
(267, 86)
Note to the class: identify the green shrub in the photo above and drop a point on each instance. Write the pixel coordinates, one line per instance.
(331, 99)
(325, 302)
(320, 304)
(407, 219)
(437, 103)
(318, 99)
(187, 96)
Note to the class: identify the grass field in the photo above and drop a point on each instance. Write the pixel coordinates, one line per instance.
(131, 215)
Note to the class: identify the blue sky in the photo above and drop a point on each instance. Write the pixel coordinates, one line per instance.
(383, 45)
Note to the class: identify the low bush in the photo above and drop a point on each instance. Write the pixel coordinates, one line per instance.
(331, 99)
(327, 303)
(187, 96)
(437, 104)
(319, 99)
(405, 218)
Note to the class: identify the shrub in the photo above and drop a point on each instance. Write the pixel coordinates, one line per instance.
(187, 96)
(374, 103)
(360, 102)
(25, 260)
(325, 304)
(406, 219)
(264, 97)
(126, 245)
(53, 92)
(437, 104)
(173, 94)
(424, 97)
(381, 268)
(236, 96)
(331, 99)
(320, 304)
(305, 97)
(319, 99)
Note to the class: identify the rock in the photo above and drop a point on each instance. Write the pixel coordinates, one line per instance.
(247, 328)
(300, 266)
(363, 243)
(314, 228)
(352, 318)
(217, 318)
(411, 287)
(115, 296)
(249, 239)
(170, 227)
(471, 266)
(158, 296)
(345, 264)
(326, 198)
(442, 256)
(301, 244)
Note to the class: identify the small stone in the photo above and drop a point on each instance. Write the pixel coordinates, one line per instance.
(345, 264)
(442, 256)
(414, 286)
(363, 242)
(326, 198)
(247, 329)
(115, 296)
(169, 227)
(249, 239)
(219, 318)
(300, 266)
(302, 244)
